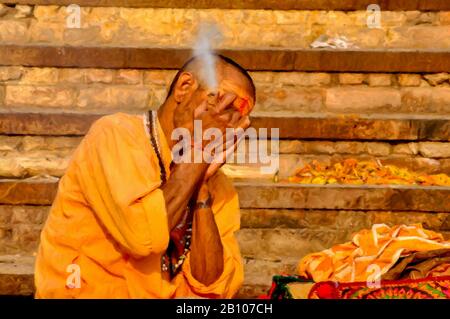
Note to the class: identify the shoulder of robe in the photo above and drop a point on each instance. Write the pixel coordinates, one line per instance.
(128, 126)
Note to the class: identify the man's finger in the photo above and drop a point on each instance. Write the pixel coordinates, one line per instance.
(235, 118)
(244, 123)
(199, 110)
(225, 101)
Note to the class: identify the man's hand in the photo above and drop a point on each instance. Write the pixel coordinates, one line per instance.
(185, 178)
(229, 147)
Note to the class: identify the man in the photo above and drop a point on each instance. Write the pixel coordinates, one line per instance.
(128, 222)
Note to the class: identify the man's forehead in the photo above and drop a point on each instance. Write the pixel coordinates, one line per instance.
(232, 79)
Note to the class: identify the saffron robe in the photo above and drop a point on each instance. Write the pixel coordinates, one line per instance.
(108, 224)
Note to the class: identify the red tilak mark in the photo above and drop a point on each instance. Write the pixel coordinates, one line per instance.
(243, 106)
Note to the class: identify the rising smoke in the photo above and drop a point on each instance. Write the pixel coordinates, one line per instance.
(208, 36)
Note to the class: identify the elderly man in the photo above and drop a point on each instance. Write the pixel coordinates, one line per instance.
(129, 222)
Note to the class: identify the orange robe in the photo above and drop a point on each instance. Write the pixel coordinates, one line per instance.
(109, 222)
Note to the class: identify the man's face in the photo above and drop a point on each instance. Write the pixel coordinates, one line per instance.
(230, 80)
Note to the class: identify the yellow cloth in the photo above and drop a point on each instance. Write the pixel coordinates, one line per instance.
(370, 251)
(109, 218)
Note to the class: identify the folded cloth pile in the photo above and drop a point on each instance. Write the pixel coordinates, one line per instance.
(383, 252)
(404, 261)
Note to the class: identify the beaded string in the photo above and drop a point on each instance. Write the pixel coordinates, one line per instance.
(166, 261)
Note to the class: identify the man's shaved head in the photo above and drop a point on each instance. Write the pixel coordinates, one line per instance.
(224, 68)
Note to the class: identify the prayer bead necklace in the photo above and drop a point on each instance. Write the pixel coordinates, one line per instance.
(150, 121)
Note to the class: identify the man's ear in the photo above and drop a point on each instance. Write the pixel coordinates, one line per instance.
(185, 85)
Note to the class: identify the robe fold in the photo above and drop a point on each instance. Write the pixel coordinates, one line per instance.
(107, 229)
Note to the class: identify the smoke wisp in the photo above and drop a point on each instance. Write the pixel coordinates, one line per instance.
(208, 36)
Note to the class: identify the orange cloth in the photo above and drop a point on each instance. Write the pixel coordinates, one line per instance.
(109, 219)
(370, 254)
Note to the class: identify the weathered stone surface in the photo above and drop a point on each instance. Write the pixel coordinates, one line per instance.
(99, 76)
(286, 195)
(297, 218)
(46, 32)
(328, 147)
(277, 244)
(158, 77)
(26, 214)
(364, 100)
(16, 285)
(39, 96)
(426, 100)
(350, 128)
(406, 148)
(436, 79)
(23, 11)
(13, 31)
(444, 17)
(39, 163)
(339, 219)
(281, 195)
(9, 143)
(10, 73)
(440, 99)
(39, 76)
(262, 77)
(34, 192)
(288, 98)
(16, 275)
(351, 78)
(438, 222)
(434, 149)
(420, 36)
(9, 167)
(46, 124)
(69, 75)
(23, 225)
(379, 79)
(434, 130)
(302, 78)
(381, 149)
(262, 59)
(32, 143)
(409, 79)
(113, 97)
(129, 77)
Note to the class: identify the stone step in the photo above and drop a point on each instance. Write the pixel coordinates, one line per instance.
(345, 5)
(17, 275)
(362, 197)
(323, 60)
(262, 194)
(290, 125)
(54, 162)
(265, 233)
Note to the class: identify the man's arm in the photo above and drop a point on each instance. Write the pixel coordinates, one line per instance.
(179, 189)
(225, 211)
(206, 248)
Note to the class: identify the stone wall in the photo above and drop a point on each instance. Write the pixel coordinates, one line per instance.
(241, 28)
(105, 90)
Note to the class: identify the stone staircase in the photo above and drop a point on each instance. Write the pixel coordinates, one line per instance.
(387, 100)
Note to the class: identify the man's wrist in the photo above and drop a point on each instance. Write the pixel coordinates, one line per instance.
(203, 198)
(204, 204)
